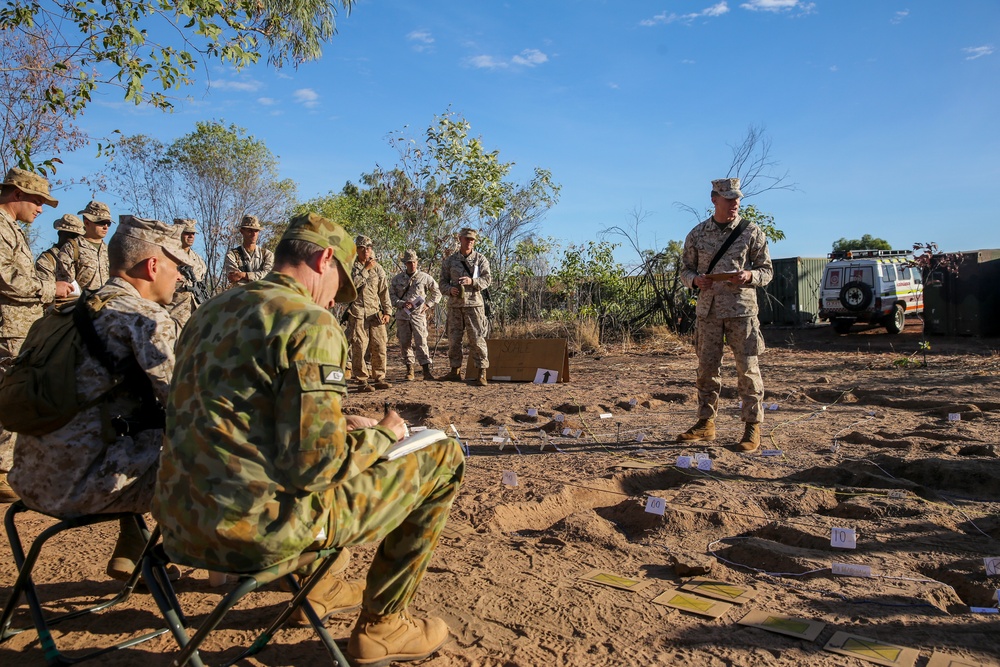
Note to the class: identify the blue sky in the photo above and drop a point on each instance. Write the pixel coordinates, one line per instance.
(884, 113)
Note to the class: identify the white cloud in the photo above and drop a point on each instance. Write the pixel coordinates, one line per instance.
(613, 86)
(899, 16)
(717, 9)
(834, 68)
(530, 58)
(248, 86)
(307, 97)
(266, 101)
(422, 40)
(978, 51)
(687, 61)
(526, 58)
(778, 6)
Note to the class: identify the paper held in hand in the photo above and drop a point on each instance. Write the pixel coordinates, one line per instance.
(412, 444)
(720, 276)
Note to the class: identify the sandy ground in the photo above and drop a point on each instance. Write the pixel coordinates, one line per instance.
(853, 421)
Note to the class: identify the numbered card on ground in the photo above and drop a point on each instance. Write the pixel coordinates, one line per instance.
(532, 412)
(992, 566)
(802, 628)
(705, 465)
(871, 650)
(720, 590)
(843, 538)
(605, 578)
(683, 461)
(692, 603)
(655, 505)
(509, 478)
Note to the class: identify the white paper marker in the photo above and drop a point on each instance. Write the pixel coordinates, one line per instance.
(705, 465)
(992, 567)
(567, 431)
(509, 478)
(497, 438)
(851, 570)
(559, 418)
(683, 461)
(771, 452)
(954, 416)
(701, 456)
(640, 437)
(633, 402)
(655, 505)
(897, 494)
(606, 415)
(532, 412)
(843, 538)
(773, 407)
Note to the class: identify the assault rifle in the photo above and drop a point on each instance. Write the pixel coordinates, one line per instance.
(197, 288)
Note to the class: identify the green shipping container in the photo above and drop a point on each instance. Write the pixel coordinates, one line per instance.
(966, 303)
(792, 297)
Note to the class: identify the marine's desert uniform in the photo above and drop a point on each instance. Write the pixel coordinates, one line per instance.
(85, 262)
(256, 265)
(728, 312)
(364, 320)
(466, 314)
(183, 304)
(411, 325)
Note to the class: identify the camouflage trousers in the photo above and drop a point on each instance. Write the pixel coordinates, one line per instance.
(9, 348)
(181, 308)
(405, 504)
(412, 336)
(364, 332)
(744, 339)
(470, 321)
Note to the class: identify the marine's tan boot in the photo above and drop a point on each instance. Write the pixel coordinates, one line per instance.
(7, 494)
(751, 438)
(347, 374)
(127, 551)
(409, 371)
(331, 596)
(454, 376)
(379, 640)
(481, 380)
(381, 383)
(427, 372)
(703, 431)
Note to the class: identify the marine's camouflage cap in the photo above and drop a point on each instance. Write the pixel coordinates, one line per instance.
(156, 232)
(69, 223)
(728, 188)
(190, 225)
(363, 241)
(468, 233)
(96, 211)
(250, 222)
(410, 256)
(314, 228)
(30, 183)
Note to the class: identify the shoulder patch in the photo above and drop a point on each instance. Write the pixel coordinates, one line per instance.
(332, 374)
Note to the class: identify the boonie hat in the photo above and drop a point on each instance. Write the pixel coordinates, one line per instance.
(69, 223)
(363, 241)
(468, 233)
(728, 188)
(30, 183)
(190, 225)
(314, 228)
(410, 256)
(96, 211)
(250, 222)
(159, 233)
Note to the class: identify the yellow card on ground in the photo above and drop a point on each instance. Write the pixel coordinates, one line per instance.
(872, 650)
(605, 578)
(939, 659)
(720, 590)
(692, 603)
(801, 628)
(455, 531)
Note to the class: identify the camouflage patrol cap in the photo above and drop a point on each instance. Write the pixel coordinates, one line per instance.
(468, 233)
(155, 232)
(190, 225)
(728, 188)
(314, 228)
(30, 183)
(96, 211)
(410, 256)
(363, 241)
(250, 222)
(69, 223)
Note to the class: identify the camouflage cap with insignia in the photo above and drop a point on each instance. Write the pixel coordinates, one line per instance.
(30, 183)
(410, 256)
(156, 232)
(728, 188)
(190, 225)
(314, 228)
(69, 223)
(96, 211)
(468, 233)
(363, 241)
(250, 222)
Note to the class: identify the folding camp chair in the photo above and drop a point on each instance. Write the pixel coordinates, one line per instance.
(154, 573)
(25, 585)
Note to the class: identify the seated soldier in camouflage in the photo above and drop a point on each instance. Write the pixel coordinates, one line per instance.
(260, 464)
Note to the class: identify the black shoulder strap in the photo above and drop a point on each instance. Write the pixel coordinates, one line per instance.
(735, 234)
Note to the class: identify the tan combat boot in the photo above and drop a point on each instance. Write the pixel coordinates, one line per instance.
(347, 374)
(481, 380)
(380, 383)
(454, 376)
(751, 438)
(427, 372)
(7, 494)
(409, 371)
(332, 595)
(378, 640)
(127, 551)
(703, 431)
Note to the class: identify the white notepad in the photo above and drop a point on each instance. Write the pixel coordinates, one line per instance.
(412, 444)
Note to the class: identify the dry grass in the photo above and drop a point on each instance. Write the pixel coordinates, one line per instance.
(583, 335)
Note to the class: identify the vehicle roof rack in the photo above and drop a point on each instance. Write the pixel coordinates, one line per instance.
(859, 254)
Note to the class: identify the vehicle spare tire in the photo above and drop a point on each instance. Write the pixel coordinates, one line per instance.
(855, 296)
